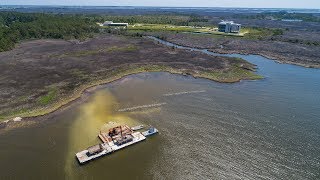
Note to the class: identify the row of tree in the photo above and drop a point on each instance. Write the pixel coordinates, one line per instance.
(15, 26)
(179, 20)
(21, 26)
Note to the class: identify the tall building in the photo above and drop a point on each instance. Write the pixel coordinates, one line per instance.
(229, 27)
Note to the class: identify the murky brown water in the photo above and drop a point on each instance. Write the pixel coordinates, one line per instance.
(268, 129)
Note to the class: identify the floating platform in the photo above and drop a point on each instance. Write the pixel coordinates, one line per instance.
(137, 137)
(111, 144)
(85, 155)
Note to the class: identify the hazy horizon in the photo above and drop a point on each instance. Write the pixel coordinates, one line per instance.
(199, 7)
(308, 4)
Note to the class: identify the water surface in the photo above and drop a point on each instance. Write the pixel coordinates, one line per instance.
(266, 129)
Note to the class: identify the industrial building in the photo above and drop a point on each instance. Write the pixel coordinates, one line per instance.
(229, 27)
(110, 23)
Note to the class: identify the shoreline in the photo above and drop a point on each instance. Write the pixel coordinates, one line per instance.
(91, 87)
(278, 59)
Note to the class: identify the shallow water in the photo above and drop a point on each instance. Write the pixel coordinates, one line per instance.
(266, 129)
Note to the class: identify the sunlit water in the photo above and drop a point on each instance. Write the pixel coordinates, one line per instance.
(266, 129)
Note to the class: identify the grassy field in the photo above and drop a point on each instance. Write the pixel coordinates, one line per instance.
(172, 28)
(260, 33)
(49, 97)
(246, 32)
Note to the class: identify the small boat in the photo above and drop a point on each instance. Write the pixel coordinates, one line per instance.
(135, 128)
(150, 131)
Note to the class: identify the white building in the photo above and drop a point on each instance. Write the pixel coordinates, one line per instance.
(110, 23)
(229, 27)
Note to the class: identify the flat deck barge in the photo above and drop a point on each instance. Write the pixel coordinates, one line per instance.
(117, 138)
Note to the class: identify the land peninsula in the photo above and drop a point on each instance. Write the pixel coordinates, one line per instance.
(39, 76)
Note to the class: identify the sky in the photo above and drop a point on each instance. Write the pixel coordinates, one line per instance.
(313, 4)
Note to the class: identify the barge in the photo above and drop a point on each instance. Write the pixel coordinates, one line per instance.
(117, 138)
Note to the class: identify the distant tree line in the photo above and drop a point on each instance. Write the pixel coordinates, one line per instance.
(281, 15)
(15, 27)
(179, 20)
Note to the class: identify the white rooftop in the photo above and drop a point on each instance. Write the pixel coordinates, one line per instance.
(228, 22)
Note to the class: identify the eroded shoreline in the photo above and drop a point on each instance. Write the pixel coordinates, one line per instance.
(82, 94)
